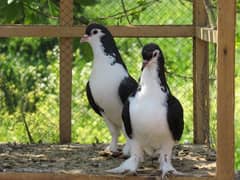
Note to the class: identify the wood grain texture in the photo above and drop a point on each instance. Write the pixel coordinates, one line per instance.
(62, 176)
(66, 19)
(206, 34)
(225, 89)
(78, 31)
(200, 79)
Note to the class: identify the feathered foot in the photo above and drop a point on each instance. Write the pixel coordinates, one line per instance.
(128, 166)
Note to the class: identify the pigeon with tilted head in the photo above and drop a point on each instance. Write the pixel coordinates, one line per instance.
(110, 83)
(153, 117)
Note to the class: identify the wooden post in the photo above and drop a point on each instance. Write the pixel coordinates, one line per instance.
(200, 78)
(66, 19)
(225, 89)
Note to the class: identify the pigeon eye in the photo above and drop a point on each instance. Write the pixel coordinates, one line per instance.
(155, 54)
(95, 32)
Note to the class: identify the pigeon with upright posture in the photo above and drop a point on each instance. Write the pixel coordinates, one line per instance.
(110, 83)
(153, 117)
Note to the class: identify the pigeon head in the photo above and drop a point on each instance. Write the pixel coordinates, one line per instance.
(153, 58)
(95, 32)
(152, 54)
(99, 35)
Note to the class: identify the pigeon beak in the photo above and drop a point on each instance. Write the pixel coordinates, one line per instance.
(145, 62)
(84, 38)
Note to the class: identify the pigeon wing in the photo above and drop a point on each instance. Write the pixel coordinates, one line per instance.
(175, 117)
(126, 119)
(127, 86)
(91, 101)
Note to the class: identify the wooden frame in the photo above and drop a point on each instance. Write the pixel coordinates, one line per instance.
(77, 31)
(59, 176)
(223, 36)
(200, 78)
(66, 19)
(206, 34)
(225, 88)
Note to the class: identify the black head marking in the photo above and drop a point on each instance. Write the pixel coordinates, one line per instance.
(151, 51)
(107, 41)
(95, 28)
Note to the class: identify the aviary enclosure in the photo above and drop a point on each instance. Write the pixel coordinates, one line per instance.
(200, 31)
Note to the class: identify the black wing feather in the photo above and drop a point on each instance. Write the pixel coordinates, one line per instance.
(127, 86)
(175, 117)
(126, 119)
(91, 101)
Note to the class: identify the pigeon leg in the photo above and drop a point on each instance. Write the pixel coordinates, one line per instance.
(165, 159)
(131, 164)
(114, 131)
(127, 147)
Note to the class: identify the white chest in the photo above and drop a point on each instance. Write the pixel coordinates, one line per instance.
(148, 111)
(104, 82)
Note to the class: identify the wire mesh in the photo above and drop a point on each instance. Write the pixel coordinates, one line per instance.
(87, 126)
(141, 12)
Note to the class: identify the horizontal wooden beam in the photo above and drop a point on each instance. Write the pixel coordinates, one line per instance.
(63, 176)
(153, 31)
(206, 34)
(77, 31)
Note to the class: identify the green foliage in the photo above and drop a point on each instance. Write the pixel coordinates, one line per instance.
(39, 12)
(20, 77)
(25, 77)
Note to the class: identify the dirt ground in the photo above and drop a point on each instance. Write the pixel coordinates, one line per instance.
(90, 159)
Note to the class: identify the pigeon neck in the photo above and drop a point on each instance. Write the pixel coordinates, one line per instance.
(153, 76)
(98, 50)
(149, 76)
(109, 55)
(163, 81)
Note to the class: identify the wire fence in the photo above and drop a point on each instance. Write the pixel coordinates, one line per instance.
(88, 127)
(142, 12)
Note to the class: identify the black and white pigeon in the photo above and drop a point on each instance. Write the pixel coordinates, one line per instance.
(110, 84)
(153, 117)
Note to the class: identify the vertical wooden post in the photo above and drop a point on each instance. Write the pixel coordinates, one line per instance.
(225, 88)
(66, 19)
(200, 78)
